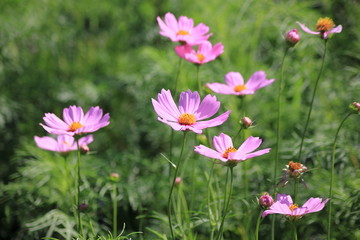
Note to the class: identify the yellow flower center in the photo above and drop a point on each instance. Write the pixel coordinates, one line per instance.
(200, 57)
(294, 166)
(324, 24)
(292, 207)
(187, 119)
(75, 126)
(239, 88)
(227, 151)
(183, 32)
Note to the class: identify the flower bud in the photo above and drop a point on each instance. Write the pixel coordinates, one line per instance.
(356, 106)
(114, 177)
(266, 200)
(292, 37)
(178, 180)
(246, 122)
(84, 149)
(202, 138)
(83, 207)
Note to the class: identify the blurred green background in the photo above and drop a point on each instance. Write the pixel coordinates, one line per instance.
(109, 53)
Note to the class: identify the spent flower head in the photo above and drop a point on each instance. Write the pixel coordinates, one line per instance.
(293, 170)
(191, 112)
(292, 37)
(227, 154)
(284, 205)
(324, 27)
(235, 84)
(183, 30)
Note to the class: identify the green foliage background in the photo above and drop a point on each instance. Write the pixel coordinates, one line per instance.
(59, 53)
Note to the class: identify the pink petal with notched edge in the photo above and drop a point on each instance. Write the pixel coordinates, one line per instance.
(208, 107)
(284, 198)
(257, 153)
(189, 102)
(220, 88)
(165, 107)
(258, 80)
(233, 79)
(73, 114)
(222, 142)
(315, 204)
(217, 50)
(212, 122)
(208, 152)
(250, 144)
(305, 29)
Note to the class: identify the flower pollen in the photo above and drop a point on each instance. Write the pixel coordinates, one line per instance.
(292, 207)
(200, 56)
(227, 151)
(186, 119)
(324, 24)
(182, 32)
(75, 126)
(294, 166)
(239, 88)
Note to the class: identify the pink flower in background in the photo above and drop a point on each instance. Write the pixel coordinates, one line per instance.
(191, 113)
(183, 30)
(325, 26)
(63, 143)
(235, 84)
(75, 122)
(284, 205)
(205, 52)
(227, 154)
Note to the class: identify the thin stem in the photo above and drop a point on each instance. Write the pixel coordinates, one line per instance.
(238, 133)
(227, 205)
(295, 231)
(332, 174)
(258, 225)
(177, 76)
(77, 200)
(172, 186)
(312, 101)
(114, 210)
(296, 187)
(278, 134)
(208, 199)
(198, 79)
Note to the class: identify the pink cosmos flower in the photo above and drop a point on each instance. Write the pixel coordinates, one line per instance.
(75, 122)
(284, 205)
(205, 52)
(191, 112)
(63, 143)
(325, 26)
(227, 154)
(235, 84)
(183, 30)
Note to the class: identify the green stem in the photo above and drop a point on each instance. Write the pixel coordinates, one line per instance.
(312, 101)
(295, 231)
(114, 210)
(227, 205)
(280, 88)
(258, 225)
(208, 199)
(177, 76)
(198, 79)
(238, 133)
(77, 202)
(332, 174)
(296, 187)
(172, 186)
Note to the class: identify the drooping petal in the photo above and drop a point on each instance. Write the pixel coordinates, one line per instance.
(212, 122)
(174, 125)
(305, 29)
(208, 152)
(47, 143)
(208, 107)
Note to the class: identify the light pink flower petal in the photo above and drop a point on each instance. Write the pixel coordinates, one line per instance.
(257, 153)
(189, 102)
(52, 121)
(337, 29)
(208, 107)
(234, 79)
(185, 24)
(86, 140)
(165, 107)
(256, 80)
(315, 204)
(171, 22)
(279, 208)
(284, 198)
(182, 50)
(217, 50)
(174, 125)
(222, 142)
(208, 152)
(305, 29)
(250, 144)
(73, 114)
(47, 143)
(300, 211)
(220, 88)
(212, 122)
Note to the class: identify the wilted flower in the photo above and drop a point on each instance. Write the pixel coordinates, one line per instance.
(325, 26)
(293, 170)
(266, 200)
(191, 112)
(183, 30)
(235, 84)
(292, 37)
(75, 122)
(246, 122)
(284, 205)
(227, 154)
(205, 52)
(63, 143)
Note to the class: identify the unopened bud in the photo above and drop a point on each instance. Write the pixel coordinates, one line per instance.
(202, 138)
(84, 149)
(246, 122)
(178, 180)
(114, 177)
(356, 106)
(83, 207)
(266, 200)
(292, 37)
